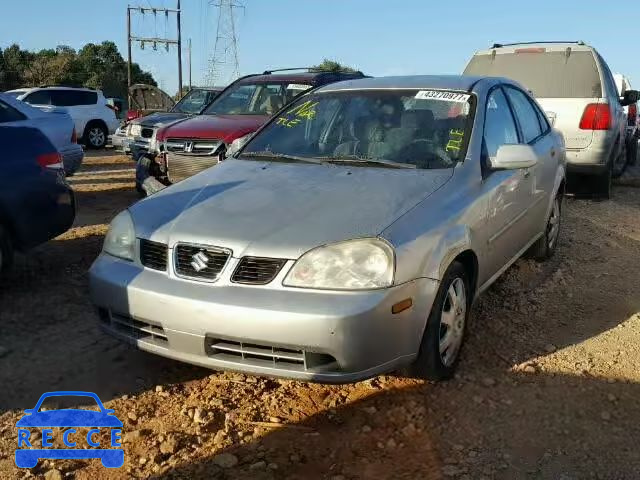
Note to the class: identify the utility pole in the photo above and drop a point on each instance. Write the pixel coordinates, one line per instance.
(190, 86)
(128, 57)
(179, 53)
(154, 41)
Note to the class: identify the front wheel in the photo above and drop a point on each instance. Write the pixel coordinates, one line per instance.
(446, 325)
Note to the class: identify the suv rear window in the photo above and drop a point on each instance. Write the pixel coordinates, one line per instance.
(548, 74)
(70, 98)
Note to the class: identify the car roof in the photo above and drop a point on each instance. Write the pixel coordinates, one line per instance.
(501, 48)
(438, 82)
(303, 77)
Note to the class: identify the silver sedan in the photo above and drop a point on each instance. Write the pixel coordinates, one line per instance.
(347, 238)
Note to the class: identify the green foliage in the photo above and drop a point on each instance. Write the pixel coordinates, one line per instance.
(94, 65)
(332, 66)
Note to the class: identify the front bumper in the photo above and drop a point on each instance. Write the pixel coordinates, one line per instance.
(331, 337)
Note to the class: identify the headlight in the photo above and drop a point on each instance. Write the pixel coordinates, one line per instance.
(153, 143)
(366, 263)
(136, 130)
(121, 237)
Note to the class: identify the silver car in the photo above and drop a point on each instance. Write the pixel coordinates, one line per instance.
(347, 238)
(576, 89)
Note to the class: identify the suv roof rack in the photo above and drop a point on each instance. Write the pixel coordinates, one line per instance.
(310, 70)
(65, 86)
(499, 45)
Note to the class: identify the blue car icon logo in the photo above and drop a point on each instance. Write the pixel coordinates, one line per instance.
(69, 419)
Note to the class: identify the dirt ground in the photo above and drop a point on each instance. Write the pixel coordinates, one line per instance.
(548, 386)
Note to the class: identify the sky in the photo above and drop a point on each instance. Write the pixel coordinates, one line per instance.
(379, 37)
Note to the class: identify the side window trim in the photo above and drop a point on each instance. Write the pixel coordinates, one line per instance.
(484, 153)
(514, 117)
(536, 109)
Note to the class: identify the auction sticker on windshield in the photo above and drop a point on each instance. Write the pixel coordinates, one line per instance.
(442, 95)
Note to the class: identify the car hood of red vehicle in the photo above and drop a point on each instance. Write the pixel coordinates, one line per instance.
(225, 127)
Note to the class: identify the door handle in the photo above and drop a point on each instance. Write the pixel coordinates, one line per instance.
(553, 152)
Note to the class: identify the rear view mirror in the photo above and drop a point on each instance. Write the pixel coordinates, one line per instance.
(630, 96)
(514, 157)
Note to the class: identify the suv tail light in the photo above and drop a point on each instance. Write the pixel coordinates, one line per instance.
(50, 160)
(632, 116)
(596, 116)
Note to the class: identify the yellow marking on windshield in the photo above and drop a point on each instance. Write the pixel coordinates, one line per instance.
(455, 140)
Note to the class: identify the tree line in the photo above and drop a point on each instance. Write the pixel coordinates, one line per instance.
(94, 65)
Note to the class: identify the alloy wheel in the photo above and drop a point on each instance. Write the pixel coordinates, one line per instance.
(96, 137)
(452, 321)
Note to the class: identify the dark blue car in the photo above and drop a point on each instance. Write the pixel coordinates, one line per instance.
(69, 419)
(36, 203)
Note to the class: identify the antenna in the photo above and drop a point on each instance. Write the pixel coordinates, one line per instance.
(224, 66)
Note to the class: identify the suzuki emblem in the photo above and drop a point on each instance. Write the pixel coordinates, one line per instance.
(199, 261)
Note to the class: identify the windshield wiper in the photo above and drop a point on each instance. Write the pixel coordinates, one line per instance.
(280, 157)
(367, 161)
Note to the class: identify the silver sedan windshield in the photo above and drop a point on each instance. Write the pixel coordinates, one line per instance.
(424, 129)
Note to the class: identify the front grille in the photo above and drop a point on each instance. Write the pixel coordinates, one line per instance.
(200, 262)
(146, 133)
(256, 270)
(188, 146)
(180, 166)
(153, 255)
(268, 355)
(137, 329)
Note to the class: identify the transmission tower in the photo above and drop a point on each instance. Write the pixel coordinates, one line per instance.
(224, 66)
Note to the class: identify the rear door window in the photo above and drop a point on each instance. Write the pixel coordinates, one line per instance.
(72, 98)
(547, 74)
(39, 97)
(10, 114)
(525, 113)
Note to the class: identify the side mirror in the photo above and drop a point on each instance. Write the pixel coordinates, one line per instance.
(551, 116)
(630, 96)
(237, 144)
(514, 157)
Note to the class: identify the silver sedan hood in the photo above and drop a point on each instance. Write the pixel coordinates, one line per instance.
(281, 209)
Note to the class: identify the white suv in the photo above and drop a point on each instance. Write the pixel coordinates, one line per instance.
(88, 108)
(575, 87)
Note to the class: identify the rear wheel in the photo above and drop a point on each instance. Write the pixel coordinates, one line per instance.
(446, 325)
(603, 183)
(6, 250)
(95, 135)
(620, 163)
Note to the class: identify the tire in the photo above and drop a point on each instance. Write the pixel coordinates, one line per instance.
(435, 360)
(620, 163)
(632, 151)
(545, 246)
(603, 183)
(6, 250)
(95, 135)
